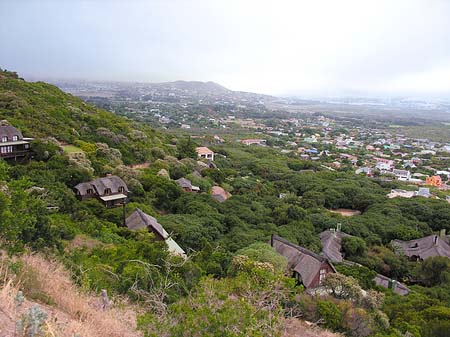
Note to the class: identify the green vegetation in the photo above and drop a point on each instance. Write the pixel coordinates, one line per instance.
(233, 283)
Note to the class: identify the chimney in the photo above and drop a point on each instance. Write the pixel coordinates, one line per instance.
(442, 234)
(108, 174)
(338, 227)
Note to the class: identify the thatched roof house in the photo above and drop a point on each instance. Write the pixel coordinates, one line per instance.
(219, 194)
(332, 244)
(307, 267)
(12, 143)
(423, 248)
(138, 220)
(111, 190)
(186, 185)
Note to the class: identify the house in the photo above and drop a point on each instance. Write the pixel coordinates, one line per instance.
(138, 220)
(332, 244)
(204, 153)
(219, 194)
(386, 282)
(401, 193)
(423, 248)
(402, 174)
(331, 240)
(248, 142)
(434, 181)
(186, 185)
(423, 192)
(307, 267)
(111, 190)
(12, 143)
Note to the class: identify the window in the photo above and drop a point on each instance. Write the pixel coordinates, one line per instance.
(107, 191)
(90, 191)
(121, 189)
(322, 275)
(4, 139)
(15, 138)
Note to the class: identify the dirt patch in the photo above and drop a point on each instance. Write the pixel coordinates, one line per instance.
(345, 211)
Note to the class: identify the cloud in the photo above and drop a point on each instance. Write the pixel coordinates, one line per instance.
(275, 47)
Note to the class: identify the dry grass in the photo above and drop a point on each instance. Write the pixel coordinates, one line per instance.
(70, 311)
(298, 328)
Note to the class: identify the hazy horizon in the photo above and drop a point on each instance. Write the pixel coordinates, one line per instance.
(320, 48)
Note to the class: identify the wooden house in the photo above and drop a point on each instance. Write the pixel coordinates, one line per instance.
(12, 143)
(307, 267)
(111, 190)
(139, 220)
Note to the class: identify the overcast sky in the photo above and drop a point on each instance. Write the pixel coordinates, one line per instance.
(322, 47)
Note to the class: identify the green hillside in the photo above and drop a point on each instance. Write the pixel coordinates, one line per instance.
(233, 283)
(42, 110)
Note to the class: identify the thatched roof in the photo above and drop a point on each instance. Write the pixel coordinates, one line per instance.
(9, 131)
(184, 183)
(332, 244)
(101, 184)
(138, 220)
(424, 248)
(300, 259)
(219, 193)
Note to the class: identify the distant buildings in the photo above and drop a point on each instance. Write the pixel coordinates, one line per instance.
(204, 153)
(434, 181)
(261, 142)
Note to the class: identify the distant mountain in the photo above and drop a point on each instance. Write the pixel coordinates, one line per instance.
(196, 86)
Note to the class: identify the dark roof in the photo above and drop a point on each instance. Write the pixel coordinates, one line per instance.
(111, 182)
(9, 131)
(138, 220)
(332, 244)
(100, 184)
(384, 281)
(184, 183)
(426, 247)
(300, 259)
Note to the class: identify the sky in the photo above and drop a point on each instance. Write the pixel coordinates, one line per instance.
(283, 47)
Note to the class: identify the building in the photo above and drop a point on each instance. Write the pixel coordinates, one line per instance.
(219, 194)
(402, 174)
(307, 267)
(331, 240)
(332, 244)
(204, 153)
(423, 248)
(423, 192)
(111, 190)
(261, 142)
(401, 193)
(139, 220)
(12, 143)
(186, 185)
(434, 181)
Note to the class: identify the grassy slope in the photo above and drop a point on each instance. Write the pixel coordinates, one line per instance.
(42, 110)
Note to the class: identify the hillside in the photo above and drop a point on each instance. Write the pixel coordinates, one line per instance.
(42, 110)
(195, 87)
(232, 283)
